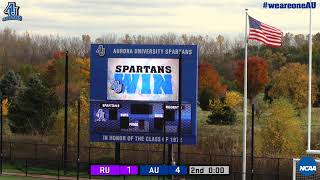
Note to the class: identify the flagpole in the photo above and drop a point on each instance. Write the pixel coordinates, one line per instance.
(310, 82)
(244, 133)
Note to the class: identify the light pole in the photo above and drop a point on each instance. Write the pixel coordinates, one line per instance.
(65, 153)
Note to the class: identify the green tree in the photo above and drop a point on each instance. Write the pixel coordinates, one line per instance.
(26, 71)
(276, 60)
(204, 98)
(10, 84)
(34, 109)
(281, 132)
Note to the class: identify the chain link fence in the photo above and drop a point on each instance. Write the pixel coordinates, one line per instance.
(30, 158)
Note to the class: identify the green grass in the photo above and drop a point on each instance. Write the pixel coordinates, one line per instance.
(17, 178)
(109, 178)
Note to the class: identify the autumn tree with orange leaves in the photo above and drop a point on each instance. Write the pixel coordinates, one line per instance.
(257, 76)
(209, 85)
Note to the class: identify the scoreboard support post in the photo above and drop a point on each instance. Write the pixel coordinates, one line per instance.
(164, 140)
(117, 153)
(170, 148)
(179, 98)
(78, 139)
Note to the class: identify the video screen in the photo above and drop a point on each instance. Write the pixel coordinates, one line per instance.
(143, 79)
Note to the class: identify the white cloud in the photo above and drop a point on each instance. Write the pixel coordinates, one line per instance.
(96, 17)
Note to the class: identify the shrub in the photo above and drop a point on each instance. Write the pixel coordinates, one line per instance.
(234, 99)
(281, 132)
(221, 113)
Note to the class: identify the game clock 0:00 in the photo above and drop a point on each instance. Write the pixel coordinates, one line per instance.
(222, 170)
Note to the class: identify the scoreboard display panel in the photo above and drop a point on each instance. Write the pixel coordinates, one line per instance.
(134, 93)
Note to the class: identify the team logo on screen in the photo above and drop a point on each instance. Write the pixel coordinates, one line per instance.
(116, 87)
(100, 116)
(12, 12)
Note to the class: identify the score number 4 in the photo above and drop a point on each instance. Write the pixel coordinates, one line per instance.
(177, 170)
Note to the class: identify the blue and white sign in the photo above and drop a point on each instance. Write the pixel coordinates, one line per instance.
(307, 166)
(134, 93)
(12, 12)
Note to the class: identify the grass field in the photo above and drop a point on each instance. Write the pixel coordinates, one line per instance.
(17, 178)
(109, 178)
(229, 142)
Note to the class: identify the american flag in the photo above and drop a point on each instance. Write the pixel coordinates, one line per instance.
(264, 33)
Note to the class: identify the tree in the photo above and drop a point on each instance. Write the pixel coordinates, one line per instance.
(209, 78)
(50, 75)
(58, 126)
(34, 109)
(10, 84)
(58, 54)
(4, 106)
(281, 132)
(205, 96)
(276, 60)
(220, 41)
(86, 41)
(287, 40)
(209, 85)
(233, 99)
(291, 81)
(26, 71)
(257, 75)
(221, 113)
(300, 40)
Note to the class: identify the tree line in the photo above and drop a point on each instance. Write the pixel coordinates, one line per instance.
(32, 77)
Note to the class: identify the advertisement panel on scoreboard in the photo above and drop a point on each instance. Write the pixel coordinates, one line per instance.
(134, 93)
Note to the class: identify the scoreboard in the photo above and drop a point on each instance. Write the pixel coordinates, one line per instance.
(157, 170)
(134, 93)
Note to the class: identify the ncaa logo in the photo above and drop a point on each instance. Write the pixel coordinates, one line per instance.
(307, 166)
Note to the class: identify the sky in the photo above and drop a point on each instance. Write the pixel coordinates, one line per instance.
(152, 17)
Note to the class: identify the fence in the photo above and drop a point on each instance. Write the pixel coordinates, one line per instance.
(31, 158)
